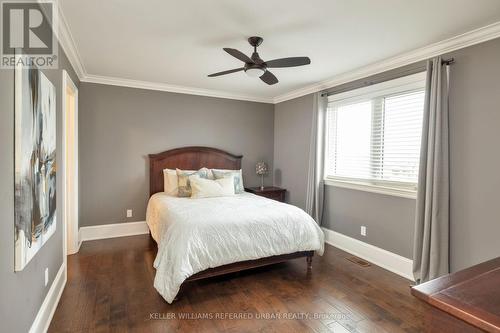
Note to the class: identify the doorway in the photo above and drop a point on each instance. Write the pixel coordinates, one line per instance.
(70, 149)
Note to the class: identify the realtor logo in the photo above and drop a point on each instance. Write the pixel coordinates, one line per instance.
(29, 34)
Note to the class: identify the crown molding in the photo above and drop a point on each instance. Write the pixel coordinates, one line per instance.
(470, 38)
(114, 81)
(68, 44)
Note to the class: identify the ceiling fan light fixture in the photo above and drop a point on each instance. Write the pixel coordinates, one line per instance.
(255, 72)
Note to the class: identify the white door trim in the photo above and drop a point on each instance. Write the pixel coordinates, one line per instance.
(70, 223)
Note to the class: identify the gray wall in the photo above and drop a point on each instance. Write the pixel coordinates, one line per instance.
(475, 156)
(389, 220)
(119, 126)
(292, 130)
(23, 292)
(474, 131)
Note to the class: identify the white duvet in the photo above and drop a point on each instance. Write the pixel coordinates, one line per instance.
(197, 234)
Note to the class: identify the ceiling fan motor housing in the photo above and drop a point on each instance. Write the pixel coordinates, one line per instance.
(258, 68)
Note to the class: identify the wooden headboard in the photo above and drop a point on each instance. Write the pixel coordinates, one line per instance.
(188, 158)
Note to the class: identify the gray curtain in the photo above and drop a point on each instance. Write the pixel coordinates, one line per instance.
(431, 244)
(315, 184)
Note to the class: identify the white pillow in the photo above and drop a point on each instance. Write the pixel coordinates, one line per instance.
(170, 185)
(207, 188)
(238, 178)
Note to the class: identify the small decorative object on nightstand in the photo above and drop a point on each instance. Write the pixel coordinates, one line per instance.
(271, 192)
(261, 170)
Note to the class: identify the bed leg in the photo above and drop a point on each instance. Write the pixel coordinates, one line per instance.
(309, 260)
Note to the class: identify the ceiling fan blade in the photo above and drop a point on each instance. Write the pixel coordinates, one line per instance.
(238, 55)
(269, 78)
(288, 62)
(226, 72)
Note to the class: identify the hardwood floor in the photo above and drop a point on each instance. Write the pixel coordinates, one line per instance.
(110, 289)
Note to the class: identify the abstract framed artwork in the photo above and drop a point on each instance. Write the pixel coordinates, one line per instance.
(35, 163)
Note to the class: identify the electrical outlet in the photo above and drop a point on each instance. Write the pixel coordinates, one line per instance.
(46, 276)
(129, 212)
(363, 230)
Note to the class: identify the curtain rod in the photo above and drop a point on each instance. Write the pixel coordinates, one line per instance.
(446, 62)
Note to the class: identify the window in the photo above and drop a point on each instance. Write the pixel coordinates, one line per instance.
(373, 136)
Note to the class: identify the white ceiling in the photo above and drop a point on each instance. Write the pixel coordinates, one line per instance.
(180, 42)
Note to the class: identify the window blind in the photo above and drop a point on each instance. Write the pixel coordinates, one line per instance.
(374, 136)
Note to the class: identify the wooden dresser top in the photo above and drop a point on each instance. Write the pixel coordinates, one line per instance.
(472, 295)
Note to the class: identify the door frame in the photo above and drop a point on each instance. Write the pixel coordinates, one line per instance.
(71, 242)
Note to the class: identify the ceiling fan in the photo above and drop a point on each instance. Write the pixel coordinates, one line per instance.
(256, 67)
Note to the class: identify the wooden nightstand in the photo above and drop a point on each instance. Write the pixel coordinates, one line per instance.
(271, 192)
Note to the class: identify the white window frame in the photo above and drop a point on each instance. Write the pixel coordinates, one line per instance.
(396, 86)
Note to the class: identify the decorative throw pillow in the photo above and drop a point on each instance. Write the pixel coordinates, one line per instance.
(184, 186)
(207, 188)
(170, 182)
(238, 178)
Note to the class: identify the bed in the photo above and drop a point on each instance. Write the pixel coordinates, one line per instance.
(201, 238)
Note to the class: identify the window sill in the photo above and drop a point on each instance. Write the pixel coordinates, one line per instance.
(360, 186)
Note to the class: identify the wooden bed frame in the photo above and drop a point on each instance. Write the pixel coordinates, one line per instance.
(194, 158)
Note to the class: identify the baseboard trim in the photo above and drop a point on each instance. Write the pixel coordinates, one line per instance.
(49, 305)
(380, 257)
(113, 230)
